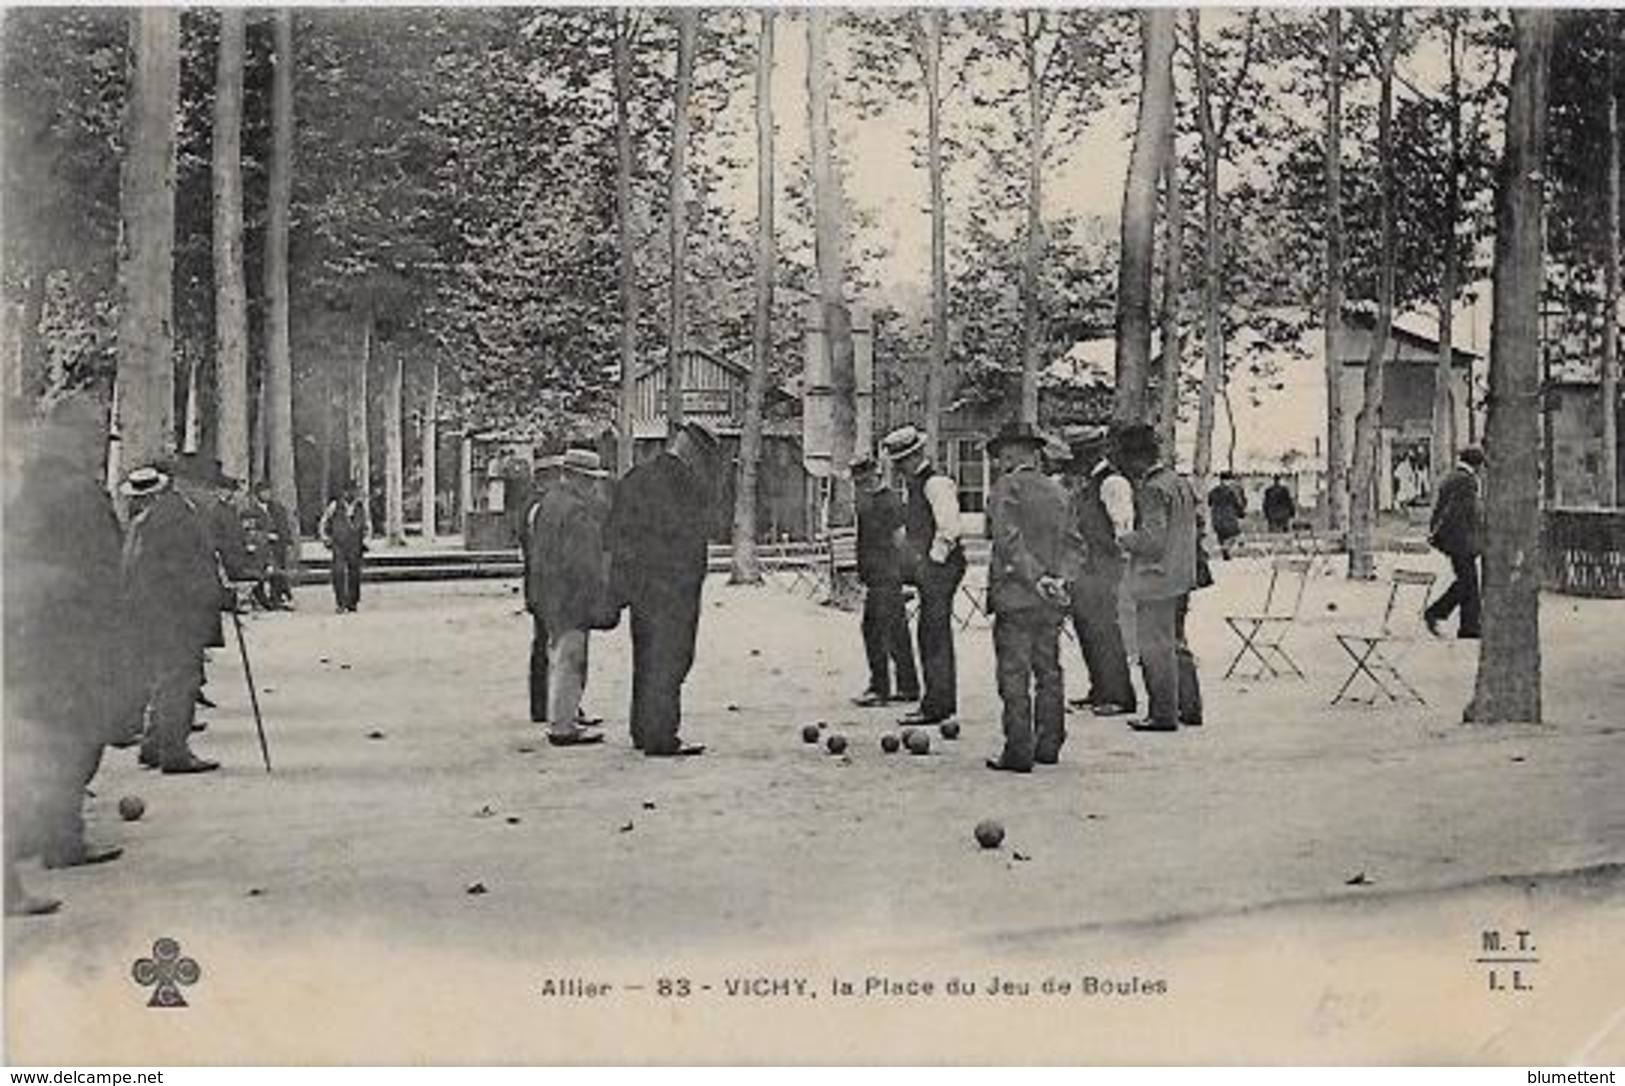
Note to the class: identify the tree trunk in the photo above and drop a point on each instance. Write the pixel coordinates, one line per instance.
(1032, 26)
(394, 447)
(355, 404)
(747, 568)
(230, 293)
(1368, 423)
(465, 480)
(623, 232)
(192, 420)
(1332, 313)
(1508, 686)
(1173, 266)
(429, 453)
(1133, 350)
(330, 396)
(146, 345)
(1442, 447)
(32, 358)
(687, 30)
(937, 366)
(1611, 289)
(279, 357)
(1213, 367)
(827, 209)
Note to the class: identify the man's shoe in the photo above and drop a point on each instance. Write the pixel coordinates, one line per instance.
(585, 721)
(1047, 757)
(200, 725)
(27, 904)
(204, 700)
(869, 699)
(1191, 721)
(1469, 635)
(148, 757)
(906, 695)
(923, 720)
(574, 739)
(681, 750)
(1001, 766)
(1148, 726)
(1431, 623)
(1081, 703)
(192, 764)
(1112, 708)
(83, 856)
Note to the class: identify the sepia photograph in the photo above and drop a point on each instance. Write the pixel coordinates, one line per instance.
(898, 535)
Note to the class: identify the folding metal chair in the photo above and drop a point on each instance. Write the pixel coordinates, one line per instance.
(1263, 633)
(1376, 654)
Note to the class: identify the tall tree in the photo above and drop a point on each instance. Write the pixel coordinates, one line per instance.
(1032, 28)
(1442, 446)
(624, 31)
(930, 52)
(230, 291)
(677, 342)
(429, 451)
(1172, 366)
(1611, 284)
(828, 230)
(355, 410)
(146, 358)
(1509, 661)
(1155, 115)
(278, 424)
(1337, 494)
(1368, 423)
(746, 566)
(394, 446)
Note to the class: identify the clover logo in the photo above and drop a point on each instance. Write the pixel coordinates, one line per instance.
(166, 972)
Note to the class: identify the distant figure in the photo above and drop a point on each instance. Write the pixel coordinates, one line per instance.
(657, 540)
(1279, 506)
(344, 527)
(880, 569)
(934, 562)
(546, 477)
(280, 543)
(1227, 504)
(71, 685)
(1103, 511)
(1036, 551)
(1457, 532)
(1162, 551)
(571, 564)
(172, 582)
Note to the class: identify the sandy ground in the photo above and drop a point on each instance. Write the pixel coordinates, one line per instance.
(1327, 872)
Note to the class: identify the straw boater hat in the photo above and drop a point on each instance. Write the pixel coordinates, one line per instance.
(902, 442)
(583, 462)
(142, 482)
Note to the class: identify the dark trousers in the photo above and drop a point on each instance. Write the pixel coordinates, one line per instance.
(172, 708)
(1173, 692)
(665, 620)
(1027, 655)
(48, 766)
(346, 580)
(937, 584)
(886, 642)
(538, 669)
(1464, 593)
(1100, 638)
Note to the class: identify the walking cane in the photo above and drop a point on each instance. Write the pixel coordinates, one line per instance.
(253, 696)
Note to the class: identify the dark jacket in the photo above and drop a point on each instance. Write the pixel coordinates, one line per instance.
(1456, 525)
(345, 526)
(657, 529)
(69, 642)
(880, 515)
(1102, 556)
(565, 558)
(1228, 506)
(1162, 546)
(172, 579)
(1030, 521)
(1278, 503)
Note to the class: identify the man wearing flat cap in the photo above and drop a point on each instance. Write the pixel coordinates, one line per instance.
(1035, 556)
(885, 623)
(566, 538)
(658, 553)
(934, 561)
(1103, 510)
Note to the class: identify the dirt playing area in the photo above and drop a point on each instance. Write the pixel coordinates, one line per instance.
(420, 847)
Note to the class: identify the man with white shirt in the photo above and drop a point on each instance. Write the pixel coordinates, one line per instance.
(934, 562)
(1103, 511)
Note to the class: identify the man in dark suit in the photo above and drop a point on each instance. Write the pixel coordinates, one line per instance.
(658, 554)
(1456, 531)
(1103, 510)
(1035, 555)
(885, 623)
(344, 527)
(70, 686)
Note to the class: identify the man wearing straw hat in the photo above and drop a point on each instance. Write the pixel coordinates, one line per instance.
(568, 559)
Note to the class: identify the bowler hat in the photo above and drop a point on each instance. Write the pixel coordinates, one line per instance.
(1136, 439)
(143, 481)
(1016, 433)
(901, 442)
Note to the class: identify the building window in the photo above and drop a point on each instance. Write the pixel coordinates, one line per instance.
(969, 470)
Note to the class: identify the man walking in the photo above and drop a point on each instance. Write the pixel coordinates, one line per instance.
(1035, 555)
(344, 527)
(172, 583)
(1103, 511)
(885, 624)
(1227, 504)
(1457, 532)
(568, 548)
(1162, 574)
(1279, 506)
(934, 561)
(657, 539)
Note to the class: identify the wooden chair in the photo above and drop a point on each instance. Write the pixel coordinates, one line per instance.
(1263, 633)
(1377, 654)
